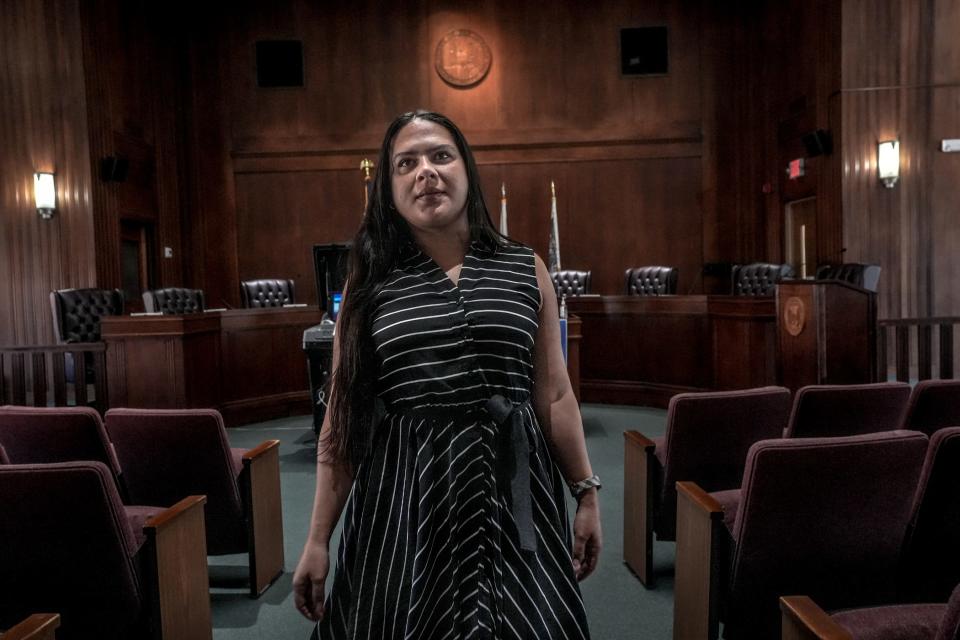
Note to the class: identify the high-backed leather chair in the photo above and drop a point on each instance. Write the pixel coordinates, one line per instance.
(166, 454)
(652, 281)
(266, 293)
(706, 441)
(174, 301)
(70, 547)
(571, 282)
(865, 276)
(77, 312)
(826, 517)
(759, 278)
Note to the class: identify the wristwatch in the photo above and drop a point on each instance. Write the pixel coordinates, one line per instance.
(577, 489)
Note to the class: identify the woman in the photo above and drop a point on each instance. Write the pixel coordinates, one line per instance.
(457, 524)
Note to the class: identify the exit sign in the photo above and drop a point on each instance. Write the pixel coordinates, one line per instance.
(795, 169)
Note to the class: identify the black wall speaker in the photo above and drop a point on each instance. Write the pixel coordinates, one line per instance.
(818, 143)
(643, 51)
(114, 168)
(279, 63)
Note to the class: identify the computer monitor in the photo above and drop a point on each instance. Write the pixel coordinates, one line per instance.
(335, 299)
(330, 266)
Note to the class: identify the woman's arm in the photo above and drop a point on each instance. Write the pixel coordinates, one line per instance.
(559, 416)
(334, 480)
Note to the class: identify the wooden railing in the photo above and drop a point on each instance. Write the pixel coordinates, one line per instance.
(913, 347)
(54, 379)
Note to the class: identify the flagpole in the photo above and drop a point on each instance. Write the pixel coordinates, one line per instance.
(503, 209)
(554, 231)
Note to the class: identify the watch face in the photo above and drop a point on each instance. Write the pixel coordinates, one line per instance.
(462, 58)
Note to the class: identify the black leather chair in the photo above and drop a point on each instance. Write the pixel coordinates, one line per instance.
(174, 301)
(652, 281)
(266, 293)
(571, 282)
(758, 278)
(865, 276)
(77, 312)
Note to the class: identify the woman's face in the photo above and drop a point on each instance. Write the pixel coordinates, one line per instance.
(428, 178)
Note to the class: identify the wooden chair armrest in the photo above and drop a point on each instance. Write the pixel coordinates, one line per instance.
(639, 481)
(178, 581)
(638, 439)
(261, 492)
(803, 619)
(261, 449)
(699, 498)
(697, 582)
(39, 626)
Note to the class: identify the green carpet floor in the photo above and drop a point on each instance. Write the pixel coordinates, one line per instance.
(617, 604)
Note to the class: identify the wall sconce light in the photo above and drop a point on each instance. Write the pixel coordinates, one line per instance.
(45, 193)
(888, 162)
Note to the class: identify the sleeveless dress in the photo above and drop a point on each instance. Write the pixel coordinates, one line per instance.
(456, 526)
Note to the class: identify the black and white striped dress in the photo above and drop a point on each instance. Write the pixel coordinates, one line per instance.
(430, 545)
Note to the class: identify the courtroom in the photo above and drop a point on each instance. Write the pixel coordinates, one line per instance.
(508, 320)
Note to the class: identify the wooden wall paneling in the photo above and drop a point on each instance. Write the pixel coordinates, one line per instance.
(210, 194)
(169, 125)
(532, 84)
(829, 240)
(351, 84)
(873, 228)
(614, 145)
(101, 65)
(899, 81)
(944, 171)
(42, 119)
(280, 216)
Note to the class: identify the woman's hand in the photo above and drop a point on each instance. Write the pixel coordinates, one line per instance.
(587, 538)
(309, 580)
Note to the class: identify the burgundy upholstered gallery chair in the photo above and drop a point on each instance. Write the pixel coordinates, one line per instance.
(706, 441)
(166, 454)
(804, 620)
(38, 626)
(68, 547)
(930, 566)
(931, 563)
(934, 404)
(824, 517)
(35, 435)
(847, 409)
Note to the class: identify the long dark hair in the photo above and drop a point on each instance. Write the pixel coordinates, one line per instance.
(376, 249)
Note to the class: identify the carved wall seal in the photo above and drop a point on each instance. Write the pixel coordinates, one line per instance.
(462, 58)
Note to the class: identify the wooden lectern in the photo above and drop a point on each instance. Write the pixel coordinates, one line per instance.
(827, 333)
